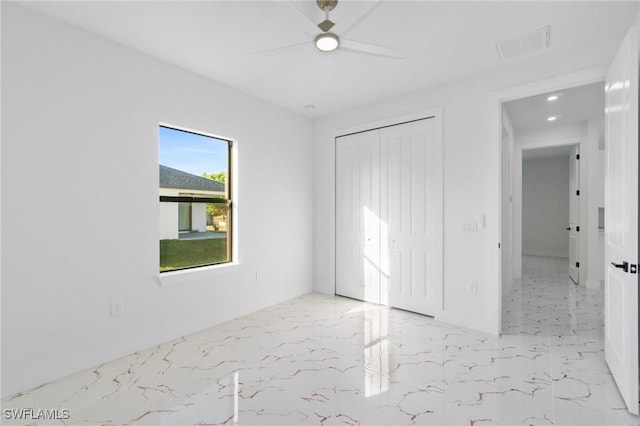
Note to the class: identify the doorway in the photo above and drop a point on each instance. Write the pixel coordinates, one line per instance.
(552, 177)
(184, 217)
(550, 205)
(620, 337)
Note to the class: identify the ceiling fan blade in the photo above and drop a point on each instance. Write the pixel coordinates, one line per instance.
(295, 10)
(358, 12)
(275, 49)
(371, 49)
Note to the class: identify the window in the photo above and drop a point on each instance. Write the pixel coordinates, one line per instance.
(195, 200)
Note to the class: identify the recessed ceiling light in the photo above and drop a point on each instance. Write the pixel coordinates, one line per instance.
(552, 118)
(552, 98)
(327, 42)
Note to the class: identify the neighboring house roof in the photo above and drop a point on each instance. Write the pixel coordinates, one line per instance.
(173, 178)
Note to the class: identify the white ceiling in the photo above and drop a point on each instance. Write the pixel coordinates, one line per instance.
(572, 106)
(443, 41)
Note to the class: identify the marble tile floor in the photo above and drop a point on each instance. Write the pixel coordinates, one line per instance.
(324, 360)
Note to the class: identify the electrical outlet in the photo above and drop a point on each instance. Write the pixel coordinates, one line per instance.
(258, 276)
(473, 287)
(117, 308)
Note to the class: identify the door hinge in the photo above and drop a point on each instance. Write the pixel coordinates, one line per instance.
(498, 245)
(577, 264)
(578, 157)
(578, 192)
(577, 229)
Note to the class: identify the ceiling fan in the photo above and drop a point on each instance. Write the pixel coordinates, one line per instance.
(328, 41)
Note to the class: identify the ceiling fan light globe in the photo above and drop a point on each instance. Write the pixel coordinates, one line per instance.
(327, 42)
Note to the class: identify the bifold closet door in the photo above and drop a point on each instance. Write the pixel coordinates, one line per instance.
(357, 216)
(411, 213)
(389, 217)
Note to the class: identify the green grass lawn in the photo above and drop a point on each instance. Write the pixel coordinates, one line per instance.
(178, 254)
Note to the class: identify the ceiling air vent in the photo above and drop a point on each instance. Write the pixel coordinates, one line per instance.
(524, 44)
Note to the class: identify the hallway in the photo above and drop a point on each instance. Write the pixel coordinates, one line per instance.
(331, 360)
(547, 302)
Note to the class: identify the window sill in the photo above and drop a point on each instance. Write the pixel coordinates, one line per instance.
(196, 275)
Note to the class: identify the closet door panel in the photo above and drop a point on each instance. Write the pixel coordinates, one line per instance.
(418, 184)
(357, 216)
(418, 284)
(413, 210)
(346, 220)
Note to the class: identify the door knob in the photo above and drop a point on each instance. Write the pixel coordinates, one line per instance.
(624, 266)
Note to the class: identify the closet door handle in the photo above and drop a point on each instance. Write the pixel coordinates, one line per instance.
(624, 266)
(568, 228)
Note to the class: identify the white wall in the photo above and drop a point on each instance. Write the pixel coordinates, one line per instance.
(595, 236)
(507, 202)
(471, 177)
(82, 113)
(532, 139)
(541, 138)
(545, 207)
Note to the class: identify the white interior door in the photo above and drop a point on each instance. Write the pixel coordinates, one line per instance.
(389, 216)
(621, 227)
(357, 216)
(411, 197)
(574, 215)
